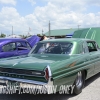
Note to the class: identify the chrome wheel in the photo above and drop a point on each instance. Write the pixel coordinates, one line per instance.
(79, 82)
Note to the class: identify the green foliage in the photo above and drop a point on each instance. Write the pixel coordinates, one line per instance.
(39, 35)
(2, 35)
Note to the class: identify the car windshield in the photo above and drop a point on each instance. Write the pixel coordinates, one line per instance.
(53, 48)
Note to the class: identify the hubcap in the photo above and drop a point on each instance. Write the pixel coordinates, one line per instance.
(79, 81)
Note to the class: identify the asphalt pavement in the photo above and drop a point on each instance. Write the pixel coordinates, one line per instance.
(90, 92)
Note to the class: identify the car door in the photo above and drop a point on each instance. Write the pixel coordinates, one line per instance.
(87, 59)
(23, 48)
(8, 50)
(94, 56)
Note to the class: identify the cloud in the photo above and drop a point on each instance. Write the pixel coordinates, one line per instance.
(10, 17)
(32, 2)
(62, 15)
(92, 2)
(71, 2)
(13, 2)
(76, 5)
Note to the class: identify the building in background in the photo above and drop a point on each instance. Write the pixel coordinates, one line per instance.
(60, 33)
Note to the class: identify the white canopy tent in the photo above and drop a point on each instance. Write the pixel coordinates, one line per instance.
(14, 36)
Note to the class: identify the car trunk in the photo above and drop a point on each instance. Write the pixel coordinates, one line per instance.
(31, 68)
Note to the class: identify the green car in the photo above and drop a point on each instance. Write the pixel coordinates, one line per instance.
(54, 62)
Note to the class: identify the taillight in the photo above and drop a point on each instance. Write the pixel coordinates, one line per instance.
(47, 74)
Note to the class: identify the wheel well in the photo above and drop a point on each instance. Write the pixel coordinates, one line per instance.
(85, 73)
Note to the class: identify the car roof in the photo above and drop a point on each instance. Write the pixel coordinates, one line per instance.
(7, 40)
(67, 40)
(11, 39)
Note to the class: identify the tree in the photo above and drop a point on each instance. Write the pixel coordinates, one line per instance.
(2, 35)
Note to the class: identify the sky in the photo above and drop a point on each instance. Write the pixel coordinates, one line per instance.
(33, 16)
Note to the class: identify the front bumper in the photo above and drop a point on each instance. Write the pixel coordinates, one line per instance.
(24, 83)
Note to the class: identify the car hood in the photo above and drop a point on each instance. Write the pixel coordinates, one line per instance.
(33, 62)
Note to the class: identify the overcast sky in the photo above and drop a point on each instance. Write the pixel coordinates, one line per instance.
(34, 15)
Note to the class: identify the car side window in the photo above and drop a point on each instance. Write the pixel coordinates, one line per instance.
(91, 46)
(28, 46)
(85, 48)
(9, 47)
(23, 46)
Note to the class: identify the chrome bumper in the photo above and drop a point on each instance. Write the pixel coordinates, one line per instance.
(5, 80)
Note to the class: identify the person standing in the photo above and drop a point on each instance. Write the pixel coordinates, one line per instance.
(43, 38)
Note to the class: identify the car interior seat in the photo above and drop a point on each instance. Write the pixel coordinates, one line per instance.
(57, 50)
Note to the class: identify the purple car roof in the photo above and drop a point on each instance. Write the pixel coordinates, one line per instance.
(6, 40)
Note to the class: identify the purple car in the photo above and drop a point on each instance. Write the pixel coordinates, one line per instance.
(33, 40)
(10, 47)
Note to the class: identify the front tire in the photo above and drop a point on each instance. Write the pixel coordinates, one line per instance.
(79, 82)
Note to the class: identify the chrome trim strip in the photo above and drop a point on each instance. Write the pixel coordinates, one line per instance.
(50, 74)
(35, 71)
(21, 74)
(49, 83)
(23, 80)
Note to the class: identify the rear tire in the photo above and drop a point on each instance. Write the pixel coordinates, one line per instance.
(79, 82)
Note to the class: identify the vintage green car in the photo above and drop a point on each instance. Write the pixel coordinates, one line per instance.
(54, 62)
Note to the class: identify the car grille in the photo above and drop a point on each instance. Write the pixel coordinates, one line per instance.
(22, 72)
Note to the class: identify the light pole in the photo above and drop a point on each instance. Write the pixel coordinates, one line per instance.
(49, 29)
(42, 31)
(78, 26)
(12, 30)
